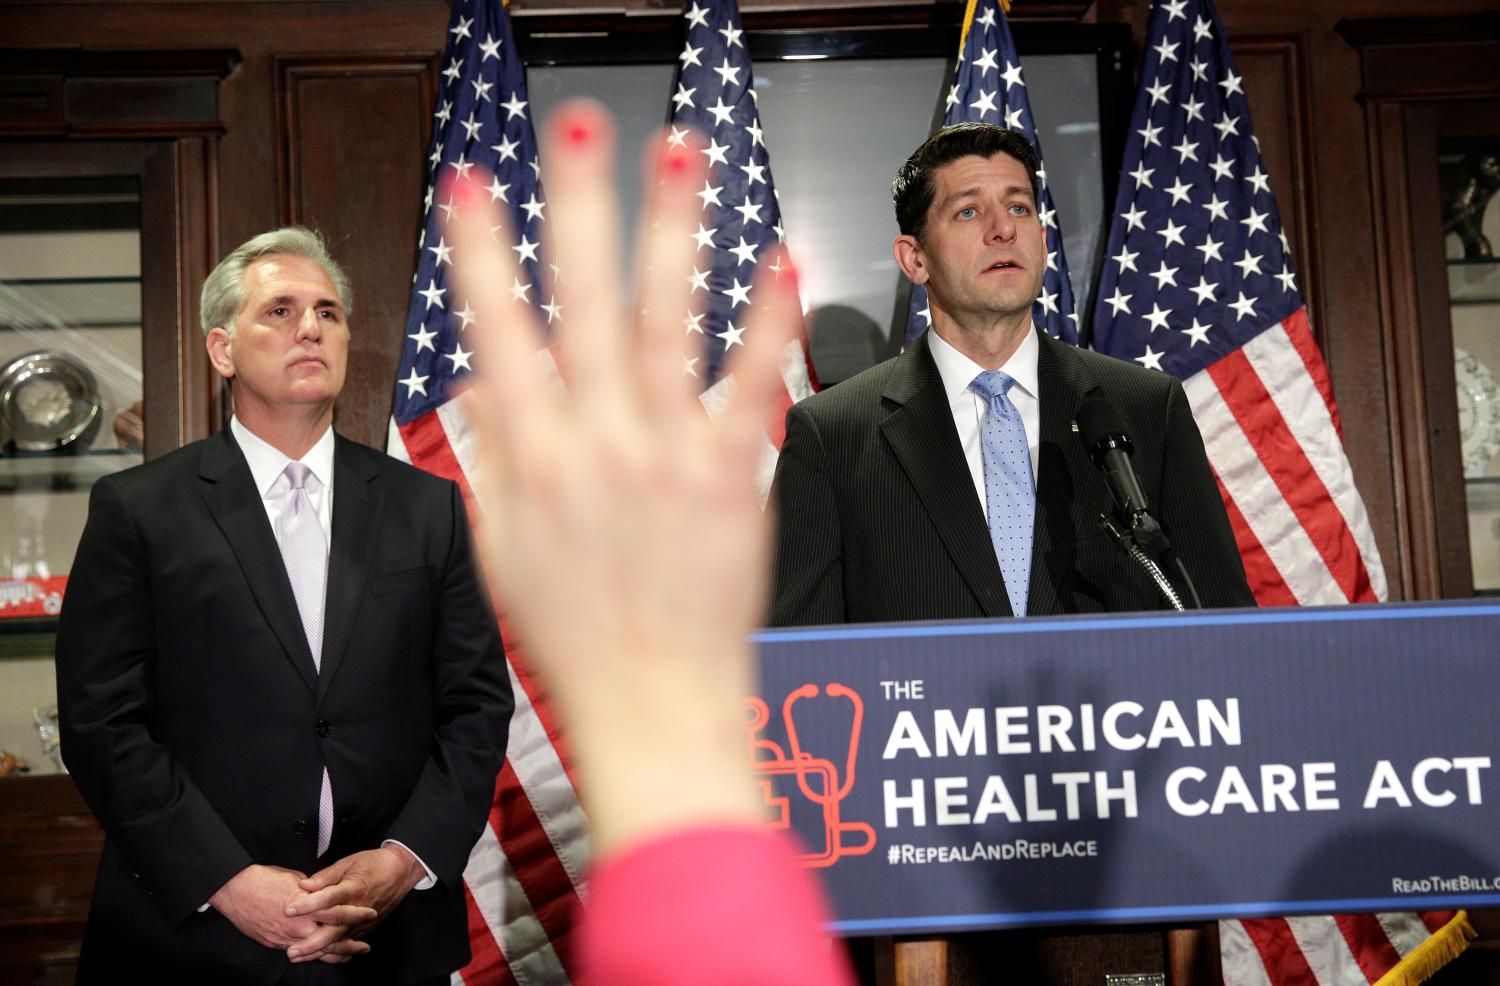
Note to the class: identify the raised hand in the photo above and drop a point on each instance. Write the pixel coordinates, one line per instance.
(621, 525)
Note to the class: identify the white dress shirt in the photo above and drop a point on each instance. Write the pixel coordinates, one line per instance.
(268, 469)
(958, 371)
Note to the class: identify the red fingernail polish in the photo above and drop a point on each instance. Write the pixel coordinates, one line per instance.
(463, 191)
(578, 131)
(788, 269)
(675, 162)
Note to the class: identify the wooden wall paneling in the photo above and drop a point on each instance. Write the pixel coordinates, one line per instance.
(199, 409)
(1432, 333)
(49, 845)
(359, 178)
(1414, 73)
(1416, 509)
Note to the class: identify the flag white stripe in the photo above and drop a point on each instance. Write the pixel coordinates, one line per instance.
(794, 371)
(530, 752)
(1272, 521)
(395, 445)
(508, 914)
(1295, 393)
(1239, 958)
(1327, 951)
(1405, 929)
(540, 773)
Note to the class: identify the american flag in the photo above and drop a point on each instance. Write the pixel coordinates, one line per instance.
(524, 879)
(1198, 282)
(713, 94)
(988, 88)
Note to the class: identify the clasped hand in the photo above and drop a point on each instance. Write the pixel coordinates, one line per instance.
(317, 917)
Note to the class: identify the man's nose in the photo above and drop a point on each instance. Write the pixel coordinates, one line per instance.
(1002, 226)
(310, 326)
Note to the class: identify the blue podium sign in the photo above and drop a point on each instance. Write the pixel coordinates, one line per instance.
(1138, 768)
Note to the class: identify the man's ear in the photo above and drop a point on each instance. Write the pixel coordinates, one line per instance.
(910, 258)
(220, 354)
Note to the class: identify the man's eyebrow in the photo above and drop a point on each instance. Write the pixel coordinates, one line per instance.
(1005, 193)
(953, 197)
(286, 299)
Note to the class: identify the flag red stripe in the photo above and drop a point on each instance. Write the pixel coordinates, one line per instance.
(1283, 458)
(1368, 943)
(534, 861)
(1279, 953)
(486, 967)
(1265, 579)
(526, 844)
(427, 446)
(1437, 920)
(1299, 331)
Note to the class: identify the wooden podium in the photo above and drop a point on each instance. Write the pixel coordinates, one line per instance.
(1186, 956)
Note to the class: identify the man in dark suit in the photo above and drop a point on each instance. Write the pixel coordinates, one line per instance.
(274, 656)
(950, 482)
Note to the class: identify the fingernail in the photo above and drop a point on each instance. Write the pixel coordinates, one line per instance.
(676, 161)
(458, 190)
(788, 269)
(579, 130)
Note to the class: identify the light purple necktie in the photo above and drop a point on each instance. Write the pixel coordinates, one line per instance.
(304, 552)
(1009, 489)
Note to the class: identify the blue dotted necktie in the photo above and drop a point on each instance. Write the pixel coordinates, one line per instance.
(1009, 490)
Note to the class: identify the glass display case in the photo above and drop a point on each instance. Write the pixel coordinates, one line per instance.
(1470, 174)
(70, 412)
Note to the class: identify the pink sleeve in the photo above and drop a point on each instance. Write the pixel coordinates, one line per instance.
(725, 905)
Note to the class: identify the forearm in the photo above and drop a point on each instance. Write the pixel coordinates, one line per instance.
(713, 904)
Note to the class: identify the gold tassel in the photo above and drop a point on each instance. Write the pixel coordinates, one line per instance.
(1437, 951)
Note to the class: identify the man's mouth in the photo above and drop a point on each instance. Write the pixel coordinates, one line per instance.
(1004, 265)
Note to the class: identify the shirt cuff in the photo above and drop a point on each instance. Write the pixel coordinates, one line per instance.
(427, 882)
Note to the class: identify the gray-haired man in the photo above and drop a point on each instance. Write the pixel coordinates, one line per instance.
(261, 680)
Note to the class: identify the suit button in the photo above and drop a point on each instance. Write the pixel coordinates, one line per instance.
(300, 827)
(323, 727)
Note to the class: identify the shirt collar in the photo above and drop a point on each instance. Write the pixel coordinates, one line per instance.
(958, 371)
(267, 462)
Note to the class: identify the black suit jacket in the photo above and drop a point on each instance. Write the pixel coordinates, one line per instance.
(878, 519)
(197, 728)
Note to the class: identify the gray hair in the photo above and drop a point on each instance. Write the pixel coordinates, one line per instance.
(224, 289)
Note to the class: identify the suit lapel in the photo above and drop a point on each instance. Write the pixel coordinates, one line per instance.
(236, 506)
(356, 505)
(1063, 379)
(920, 432)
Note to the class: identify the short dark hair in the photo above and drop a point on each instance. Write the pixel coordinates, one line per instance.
(913, 189)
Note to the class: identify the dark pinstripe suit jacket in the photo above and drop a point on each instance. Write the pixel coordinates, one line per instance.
(878, 519)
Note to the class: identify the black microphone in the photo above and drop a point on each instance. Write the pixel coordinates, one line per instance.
(1102, 428)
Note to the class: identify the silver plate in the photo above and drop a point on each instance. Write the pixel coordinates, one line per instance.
(48, 401)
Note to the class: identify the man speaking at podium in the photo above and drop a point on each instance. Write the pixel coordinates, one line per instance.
(951, 481)
(275, 661)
